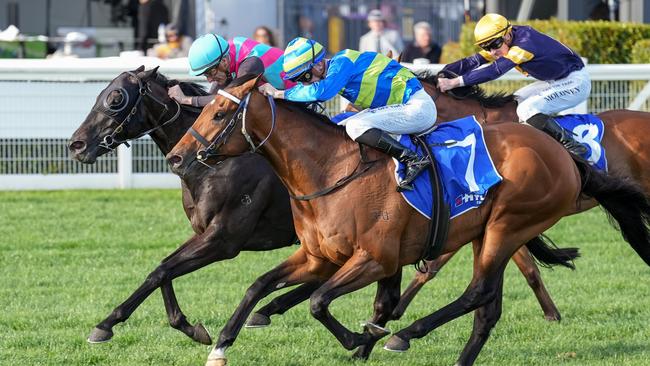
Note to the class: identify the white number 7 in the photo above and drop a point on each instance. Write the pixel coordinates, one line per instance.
(470, 141)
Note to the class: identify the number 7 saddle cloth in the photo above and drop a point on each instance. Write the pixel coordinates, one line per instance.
(466, 168)
(464, 165)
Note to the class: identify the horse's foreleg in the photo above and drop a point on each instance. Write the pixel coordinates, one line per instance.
(433, 267)
(298, 268)
(529, 269)
(385, 301)
(262, 317)
(359, 271)
(195, 253)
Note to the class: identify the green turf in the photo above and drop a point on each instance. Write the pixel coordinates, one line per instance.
(68, 258)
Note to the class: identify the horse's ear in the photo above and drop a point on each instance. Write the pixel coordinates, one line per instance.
(151, 73)
(139, 69)
(399, 58)
(248, 85)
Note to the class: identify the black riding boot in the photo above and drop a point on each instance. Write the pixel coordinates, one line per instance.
(383, 142)
(549, 125)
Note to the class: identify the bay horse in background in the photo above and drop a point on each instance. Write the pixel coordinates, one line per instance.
(626, 141)
(241, 206)
(345, 248)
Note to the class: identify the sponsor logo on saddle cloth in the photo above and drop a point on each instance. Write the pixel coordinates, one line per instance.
(588, 130)
(466, 168)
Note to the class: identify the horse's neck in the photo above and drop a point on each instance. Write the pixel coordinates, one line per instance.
(305, 153)
(167, 136)
(460, 108)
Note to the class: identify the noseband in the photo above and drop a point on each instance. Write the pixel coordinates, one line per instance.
(211, 148)
(110, 142)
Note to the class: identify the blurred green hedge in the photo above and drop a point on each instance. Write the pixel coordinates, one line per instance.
(601, 42)
(641, 52)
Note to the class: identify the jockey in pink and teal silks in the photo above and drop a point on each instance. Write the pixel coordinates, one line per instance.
(222, 61)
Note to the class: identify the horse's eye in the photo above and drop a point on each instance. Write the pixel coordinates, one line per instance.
(219, 115)
(115, 98)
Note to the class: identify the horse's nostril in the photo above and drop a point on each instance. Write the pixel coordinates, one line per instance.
(77, 146)
(175, 160)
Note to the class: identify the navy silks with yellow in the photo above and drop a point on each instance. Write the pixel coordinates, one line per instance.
(531, 52)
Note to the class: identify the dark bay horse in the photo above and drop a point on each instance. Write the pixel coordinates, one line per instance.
(242, 205)
(220, 233)
(626, 141)
(345, 248)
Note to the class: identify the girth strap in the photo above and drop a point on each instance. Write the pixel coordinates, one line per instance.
(439, 227)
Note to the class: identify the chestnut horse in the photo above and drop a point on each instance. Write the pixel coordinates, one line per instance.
(205, 198)
(624, 140)
(346, 248)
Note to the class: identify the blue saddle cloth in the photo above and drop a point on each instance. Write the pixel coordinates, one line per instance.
(466, 168)
(588, 130)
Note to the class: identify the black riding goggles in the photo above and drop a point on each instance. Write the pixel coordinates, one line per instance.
(303, 77)
(492, 44)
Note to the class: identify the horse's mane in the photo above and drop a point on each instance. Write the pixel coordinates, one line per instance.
(188, 88)
(306, 109)
(496, 100)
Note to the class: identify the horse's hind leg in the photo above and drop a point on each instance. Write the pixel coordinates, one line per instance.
(490, 261)
(433, 267)
(485, 318)
(385, 300)
(262, 317)
(529, 269)
(195, 253)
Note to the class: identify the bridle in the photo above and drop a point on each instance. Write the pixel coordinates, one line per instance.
(211, 148)
(110, 142)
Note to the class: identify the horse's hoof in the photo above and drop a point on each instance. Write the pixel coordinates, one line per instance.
(553, 317)
(201, 335)
(217, 362)
(100, 335)
(396, 344)
(360, 354)
(258, 320)
(376, 331)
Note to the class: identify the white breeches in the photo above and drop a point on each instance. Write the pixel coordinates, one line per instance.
(416, 115)
(551, 97)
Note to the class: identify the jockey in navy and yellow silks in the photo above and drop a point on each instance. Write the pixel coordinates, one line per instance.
(393, 99)
(563, 81)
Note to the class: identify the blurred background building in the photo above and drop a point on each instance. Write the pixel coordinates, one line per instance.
(112, 25)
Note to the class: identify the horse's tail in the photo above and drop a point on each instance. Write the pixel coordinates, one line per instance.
(548, 254)
(624, 202)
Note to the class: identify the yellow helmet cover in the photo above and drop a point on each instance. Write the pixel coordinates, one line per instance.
(489, 27)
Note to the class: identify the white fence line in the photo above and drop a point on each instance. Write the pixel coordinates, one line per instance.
(43, 101)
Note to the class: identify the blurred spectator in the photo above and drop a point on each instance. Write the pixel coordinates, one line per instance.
(380, 39)
(422, 46)
(306, 26)
(176, 45)
(263, 34)
(151, 14)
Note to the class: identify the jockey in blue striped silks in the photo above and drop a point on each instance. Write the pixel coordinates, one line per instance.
(392, 98)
